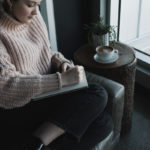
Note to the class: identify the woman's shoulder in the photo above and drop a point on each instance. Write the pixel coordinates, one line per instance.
(3, 50)
(2, 46)
(2, 30)
(2, 42)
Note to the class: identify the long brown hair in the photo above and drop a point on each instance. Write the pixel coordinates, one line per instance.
(6, 6)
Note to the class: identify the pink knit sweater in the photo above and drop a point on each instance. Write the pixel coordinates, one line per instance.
(25, 61)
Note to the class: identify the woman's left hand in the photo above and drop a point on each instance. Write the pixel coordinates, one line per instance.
(59, 63)
(65, 66)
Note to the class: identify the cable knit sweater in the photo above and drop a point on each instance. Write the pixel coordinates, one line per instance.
(25, 61)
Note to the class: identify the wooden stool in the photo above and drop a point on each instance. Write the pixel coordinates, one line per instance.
(122, 71)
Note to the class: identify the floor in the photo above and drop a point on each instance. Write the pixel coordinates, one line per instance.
(139, 136)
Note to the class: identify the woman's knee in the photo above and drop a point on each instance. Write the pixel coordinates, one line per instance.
(99, 94)
(95, 97)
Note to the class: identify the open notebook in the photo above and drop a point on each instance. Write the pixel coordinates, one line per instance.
(78, 86)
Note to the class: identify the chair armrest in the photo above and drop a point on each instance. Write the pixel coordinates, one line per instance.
(115, 97)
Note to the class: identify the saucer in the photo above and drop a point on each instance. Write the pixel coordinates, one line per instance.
(108, 61)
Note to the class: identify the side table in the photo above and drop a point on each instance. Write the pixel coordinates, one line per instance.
(122, 71)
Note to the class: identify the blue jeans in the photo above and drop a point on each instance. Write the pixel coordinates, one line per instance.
(81, 114)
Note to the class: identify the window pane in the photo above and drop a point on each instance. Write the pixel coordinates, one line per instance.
(145, 20)
(129, 19)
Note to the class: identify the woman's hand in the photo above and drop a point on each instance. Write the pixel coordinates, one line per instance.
(65, 66)
(56, 63)
(59, 63)
(72, 76)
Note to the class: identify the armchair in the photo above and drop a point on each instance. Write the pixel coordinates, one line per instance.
(114, 107)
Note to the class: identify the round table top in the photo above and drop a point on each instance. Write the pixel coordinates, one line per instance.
(84, 56)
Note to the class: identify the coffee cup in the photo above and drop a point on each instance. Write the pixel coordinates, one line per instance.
(105, 52)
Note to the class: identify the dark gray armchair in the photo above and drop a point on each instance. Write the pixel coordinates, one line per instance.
(115, 108)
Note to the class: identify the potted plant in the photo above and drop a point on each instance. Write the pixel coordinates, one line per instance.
(100, 34)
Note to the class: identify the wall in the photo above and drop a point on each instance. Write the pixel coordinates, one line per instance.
(70, 17)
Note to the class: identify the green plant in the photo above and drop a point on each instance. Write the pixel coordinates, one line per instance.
(112, 33)
(99, 28)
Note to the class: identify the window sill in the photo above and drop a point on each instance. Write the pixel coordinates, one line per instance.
(142, 50)
(142, 44)
(143, 69)
(143, 59)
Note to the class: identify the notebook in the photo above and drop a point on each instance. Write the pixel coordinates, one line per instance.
(63, 90)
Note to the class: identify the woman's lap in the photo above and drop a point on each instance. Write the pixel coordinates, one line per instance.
(74, 112)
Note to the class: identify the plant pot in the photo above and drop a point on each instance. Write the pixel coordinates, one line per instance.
(98, 40)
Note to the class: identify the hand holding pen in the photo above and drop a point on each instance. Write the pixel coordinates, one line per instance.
(72, 75)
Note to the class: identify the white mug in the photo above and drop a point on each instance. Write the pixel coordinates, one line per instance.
(105, 52)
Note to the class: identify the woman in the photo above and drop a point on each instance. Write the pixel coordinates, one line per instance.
(75, 121)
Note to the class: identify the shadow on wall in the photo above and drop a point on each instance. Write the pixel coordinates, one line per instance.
(70, 17)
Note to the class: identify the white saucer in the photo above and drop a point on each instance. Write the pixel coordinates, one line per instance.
(108, 61)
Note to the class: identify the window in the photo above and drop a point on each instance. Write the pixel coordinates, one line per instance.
(132, 19)
(135, 24)
(47, 11)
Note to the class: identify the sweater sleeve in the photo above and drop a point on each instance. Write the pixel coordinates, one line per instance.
(17, 89)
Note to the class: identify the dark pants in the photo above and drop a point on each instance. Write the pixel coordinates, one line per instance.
(81, 114)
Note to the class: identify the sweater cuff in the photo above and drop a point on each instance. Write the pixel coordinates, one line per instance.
(60, 80)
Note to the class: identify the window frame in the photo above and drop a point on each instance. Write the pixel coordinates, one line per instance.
(47, 11)
(142, 57)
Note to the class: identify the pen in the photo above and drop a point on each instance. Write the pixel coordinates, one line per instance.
(71, 62)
